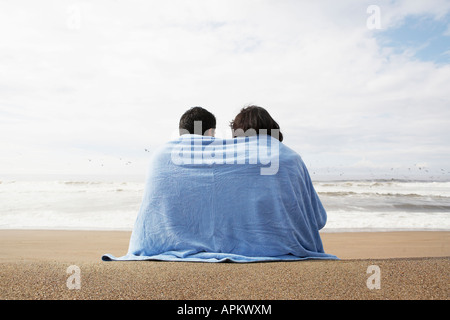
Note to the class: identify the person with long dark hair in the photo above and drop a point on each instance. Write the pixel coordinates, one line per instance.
(253, 120)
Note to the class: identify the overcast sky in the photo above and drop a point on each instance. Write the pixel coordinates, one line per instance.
(86, 87)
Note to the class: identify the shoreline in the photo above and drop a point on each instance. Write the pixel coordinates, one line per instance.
(89, 245)
(331, 230)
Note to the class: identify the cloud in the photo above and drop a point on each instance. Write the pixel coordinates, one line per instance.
(104, 79)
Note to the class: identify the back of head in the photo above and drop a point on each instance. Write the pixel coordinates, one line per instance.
(253, 120)
(190, 121)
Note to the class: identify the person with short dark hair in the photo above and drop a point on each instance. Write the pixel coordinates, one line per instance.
(197, 120)
(254, 120)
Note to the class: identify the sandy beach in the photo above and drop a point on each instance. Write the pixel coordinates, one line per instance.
(412, 265)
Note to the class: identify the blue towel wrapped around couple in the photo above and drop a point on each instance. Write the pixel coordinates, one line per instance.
(247, 199)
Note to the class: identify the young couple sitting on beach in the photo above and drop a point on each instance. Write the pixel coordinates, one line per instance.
(245, 199)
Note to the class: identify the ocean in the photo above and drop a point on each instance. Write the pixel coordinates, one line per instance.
(94, 203)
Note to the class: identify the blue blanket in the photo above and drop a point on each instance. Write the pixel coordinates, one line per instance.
(247, 199)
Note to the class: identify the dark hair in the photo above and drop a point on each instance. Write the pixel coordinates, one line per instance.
(256, 118)
(188, 119)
